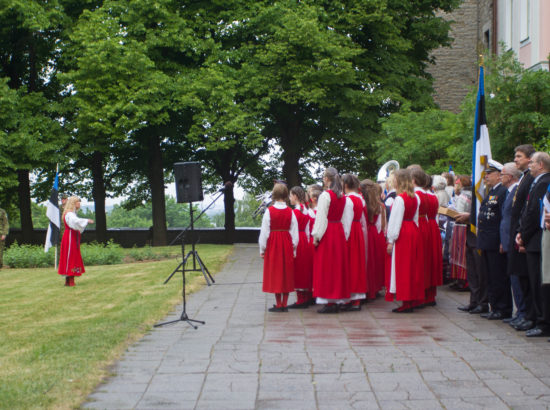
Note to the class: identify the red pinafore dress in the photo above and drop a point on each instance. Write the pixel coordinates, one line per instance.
(330, 266)
(303, 263)
(357, 249)
(279, 253)
(436, 259)
(425, 237)
(70, 259)
(409, 278)
(376, 257)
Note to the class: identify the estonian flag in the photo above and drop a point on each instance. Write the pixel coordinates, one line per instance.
(52, 211)
(481, 153)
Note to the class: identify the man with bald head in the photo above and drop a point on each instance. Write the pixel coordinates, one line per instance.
(529, 238)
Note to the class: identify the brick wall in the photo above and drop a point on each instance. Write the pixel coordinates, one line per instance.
(455, 71)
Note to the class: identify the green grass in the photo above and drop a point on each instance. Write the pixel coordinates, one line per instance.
(56, 342)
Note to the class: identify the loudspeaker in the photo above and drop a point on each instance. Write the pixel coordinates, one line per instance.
(188, 182)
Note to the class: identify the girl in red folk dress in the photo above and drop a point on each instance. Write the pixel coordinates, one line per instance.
(419, 178)
(303, 263)
(375, 213)
(313, 191)
(331, 280)
(405, 281)
(357, 251)
(278, 241)
(70, 259)
(436, 256)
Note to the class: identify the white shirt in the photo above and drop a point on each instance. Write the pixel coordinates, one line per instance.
(396, 218)
(321, 221)
(266, 228)
(76, 223)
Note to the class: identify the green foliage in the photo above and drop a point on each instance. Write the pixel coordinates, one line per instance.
(150, 253)
(28, 256)
(99, 254)
(427, 138)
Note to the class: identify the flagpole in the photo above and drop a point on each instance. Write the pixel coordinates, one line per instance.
(55, 253)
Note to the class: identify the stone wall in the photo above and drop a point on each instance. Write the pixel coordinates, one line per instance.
(456, 69)
(129, 238)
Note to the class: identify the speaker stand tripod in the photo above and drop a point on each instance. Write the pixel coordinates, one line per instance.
(181, 268)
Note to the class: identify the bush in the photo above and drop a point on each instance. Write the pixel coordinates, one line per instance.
(28, 256)
(142, 254)
(98, 254)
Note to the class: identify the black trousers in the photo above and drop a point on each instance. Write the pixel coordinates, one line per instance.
(476, 273)
(539, 309)
(499, 288)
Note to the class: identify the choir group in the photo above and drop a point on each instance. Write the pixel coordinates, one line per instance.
(342, 245)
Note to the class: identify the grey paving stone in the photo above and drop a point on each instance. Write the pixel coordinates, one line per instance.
(247, 358)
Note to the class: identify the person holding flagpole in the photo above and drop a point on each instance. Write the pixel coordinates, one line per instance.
(70, 259)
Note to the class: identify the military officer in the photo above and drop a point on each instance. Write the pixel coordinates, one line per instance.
(488, 241)
(4, 229)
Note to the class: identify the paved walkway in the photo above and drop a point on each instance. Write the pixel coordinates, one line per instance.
(247, 358)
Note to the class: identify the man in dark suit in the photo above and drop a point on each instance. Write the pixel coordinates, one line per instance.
(509, 176)
(488, 241)
(517, 261)
(529, 239)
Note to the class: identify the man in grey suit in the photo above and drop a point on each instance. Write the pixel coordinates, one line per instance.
(509, 177)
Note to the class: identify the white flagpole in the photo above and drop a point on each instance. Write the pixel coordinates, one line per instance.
(55, 252)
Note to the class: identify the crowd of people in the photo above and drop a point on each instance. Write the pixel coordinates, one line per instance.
(341, 244)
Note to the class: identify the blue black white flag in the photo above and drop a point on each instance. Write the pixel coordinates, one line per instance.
(52, 211)
(481, 152)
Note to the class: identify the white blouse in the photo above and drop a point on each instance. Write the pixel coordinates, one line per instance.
(396, 218)
(321, 221)
(363, 220)
(266, 228)
(76, 223)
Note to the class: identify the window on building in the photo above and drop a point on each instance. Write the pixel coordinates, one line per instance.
(507, 38)
(524, 19)
(487, 39)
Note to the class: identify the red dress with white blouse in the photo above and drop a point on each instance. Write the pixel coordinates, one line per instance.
(330, 264)
(436, 255)
(70, 258)
(303, 263)
(357, 249)
(279, 253)
(376, 255)
(406, 279)
(425, 236)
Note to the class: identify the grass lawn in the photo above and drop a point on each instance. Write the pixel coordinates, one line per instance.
(57, 342)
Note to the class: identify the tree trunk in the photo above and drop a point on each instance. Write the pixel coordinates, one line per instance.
(98, 193)
(229, 207)
(25, 213)
(156, 181)
(289, 125)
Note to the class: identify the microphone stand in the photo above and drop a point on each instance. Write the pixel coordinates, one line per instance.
(196, 260)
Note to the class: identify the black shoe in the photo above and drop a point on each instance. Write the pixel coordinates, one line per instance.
(354, 308)
(466, 308)
(304, 305)
(486, 315)
(496, 316)
(524, 325)
(434, 303)
(537, 332)
(479, 309)
(329, 309)
(277, 309)
(516, 321)
(463, 289)
(510, 319)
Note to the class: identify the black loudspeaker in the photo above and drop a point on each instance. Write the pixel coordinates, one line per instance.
(188, 182)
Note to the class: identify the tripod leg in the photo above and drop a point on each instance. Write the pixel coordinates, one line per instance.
(205, 271)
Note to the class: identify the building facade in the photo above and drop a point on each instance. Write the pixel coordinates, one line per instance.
(524, 26)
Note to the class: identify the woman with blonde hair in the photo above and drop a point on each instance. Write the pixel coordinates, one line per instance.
(404, 278)
(70, 259)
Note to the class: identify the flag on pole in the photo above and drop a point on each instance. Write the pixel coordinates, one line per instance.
(481, 152)
(52, 211)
